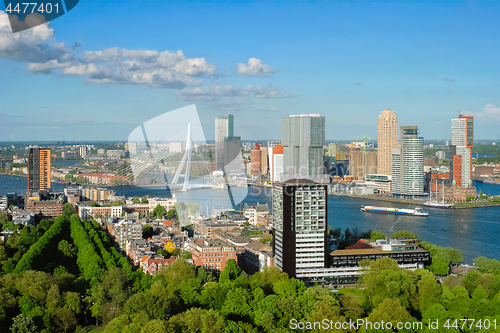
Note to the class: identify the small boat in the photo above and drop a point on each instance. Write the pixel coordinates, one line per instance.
(437, 205)
(59, 181)
(400, 211)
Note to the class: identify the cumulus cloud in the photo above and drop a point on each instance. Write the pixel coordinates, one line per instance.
(43, 54)
(35, 45)
(228, 96)
(490, 113)
(149, 67)
(255, 67)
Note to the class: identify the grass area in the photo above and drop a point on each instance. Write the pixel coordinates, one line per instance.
(477, 204)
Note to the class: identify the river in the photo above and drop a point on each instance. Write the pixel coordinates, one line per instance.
(475, 231)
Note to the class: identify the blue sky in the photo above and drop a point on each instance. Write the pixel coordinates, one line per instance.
(345, 60)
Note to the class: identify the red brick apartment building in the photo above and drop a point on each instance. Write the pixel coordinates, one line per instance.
(212, 254)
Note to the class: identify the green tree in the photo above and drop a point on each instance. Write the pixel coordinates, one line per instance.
(390, 310)
(487, 265)
(185, 255)
(65, 319)
(266, 239)
(384, 279)
(94, 204)
(403, 234)
(117, 203)
(23, 324)
(147, 231)
(66, 248)
(439, 265)
(374, 235)
(159, 211)
(136, 200)
(336, 232)
(144, 201)
(428, 290)
(172, 213)
(230, 272)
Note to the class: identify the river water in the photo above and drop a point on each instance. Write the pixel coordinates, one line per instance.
(475, 231)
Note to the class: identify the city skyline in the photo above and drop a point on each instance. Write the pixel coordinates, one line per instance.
(433, 64)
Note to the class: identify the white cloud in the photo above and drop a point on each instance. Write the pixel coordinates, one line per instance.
(38, 48)
(35, 45)
(230, 97)
(490, 113)
(149, 67)
(255, 67)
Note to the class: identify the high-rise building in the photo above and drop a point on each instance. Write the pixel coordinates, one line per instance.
(83, 151)
(362, 163)
(462, 142)
(333, 148)
(256, 162)
(263, 161)
(408, 163)
(38, 169)
(275, 162)
(303, 138)
(231, 158)
(224, 128)
(300, 225)
(387, 140)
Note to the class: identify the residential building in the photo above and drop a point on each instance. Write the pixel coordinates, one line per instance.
(275, 162)
(153, 264)
(208, 227)
(263, 161)
(85, 211)
(212, 254)
(23, 218)
(408, 164)
(252, 257)
(300, 223)
(83, 151)
(255, 159)
(125, 231)
(39, 165)
(333, 148)
(224, 128)
(362, 163)
(115, 153)
(462, 142)
(387, 141)
(303, 138)
(252, 213)
(232, 153)
(49, 208)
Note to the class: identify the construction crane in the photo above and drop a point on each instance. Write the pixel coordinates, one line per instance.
(364, 141)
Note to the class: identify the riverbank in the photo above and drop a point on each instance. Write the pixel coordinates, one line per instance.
(13, 174)
(419, 202)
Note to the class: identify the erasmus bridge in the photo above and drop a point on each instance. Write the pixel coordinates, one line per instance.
(152, 167)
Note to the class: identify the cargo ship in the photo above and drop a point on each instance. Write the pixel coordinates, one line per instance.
(400, 211)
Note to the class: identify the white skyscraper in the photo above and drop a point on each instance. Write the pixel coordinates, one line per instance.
(462, 142)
